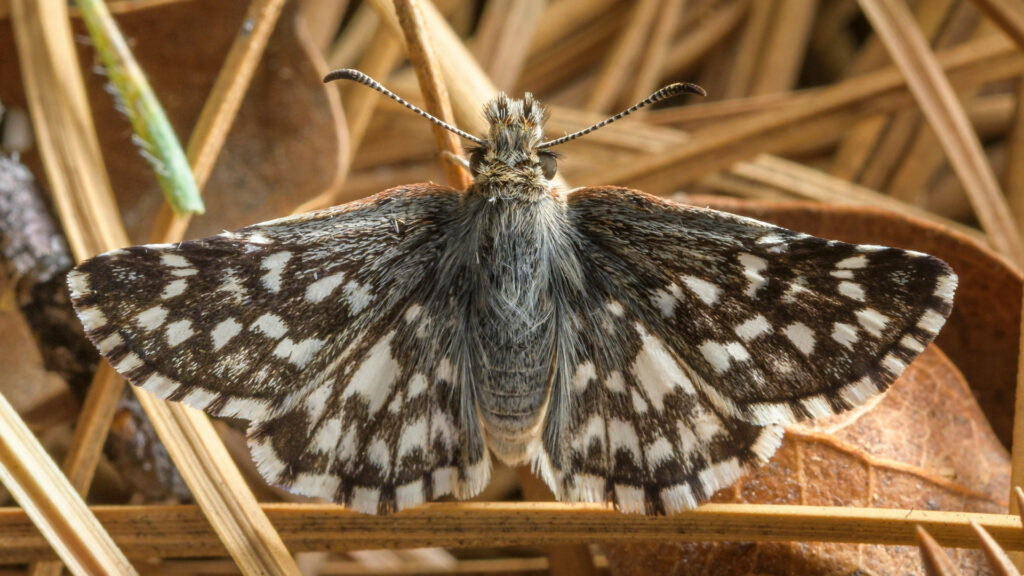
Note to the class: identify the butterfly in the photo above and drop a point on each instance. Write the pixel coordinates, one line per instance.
(633, 350)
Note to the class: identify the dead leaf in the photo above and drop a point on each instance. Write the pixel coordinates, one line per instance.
(981, 334)
(285, 147)
(924, 445)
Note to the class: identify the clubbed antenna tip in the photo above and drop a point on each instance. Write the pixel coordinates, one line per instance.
(659, 95)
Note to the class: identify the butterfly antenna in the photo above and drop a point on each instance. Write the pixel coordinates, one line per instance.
(357, 76)
(663, 94)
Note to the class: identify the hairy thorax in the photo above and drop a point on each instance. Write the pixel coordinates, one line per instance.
(519, 239)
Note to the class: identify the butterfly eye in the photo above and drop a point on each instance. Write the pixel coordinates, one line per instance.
(476, 158)
(548, 165)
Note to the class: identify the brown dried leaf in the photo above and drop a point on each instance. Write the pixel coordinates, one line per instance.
(40, 396)
(982, 332)
(284, 149)
(925, 444)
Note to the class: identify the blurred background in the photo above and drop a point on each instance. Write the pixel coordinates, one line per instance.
(877, 121)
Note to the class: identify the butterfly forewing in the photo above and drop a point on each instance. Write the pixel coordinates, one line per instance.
(313, 328)
(701, 333)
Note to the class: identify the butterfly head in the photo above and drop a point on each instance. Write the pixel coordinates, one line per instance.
(510, 153)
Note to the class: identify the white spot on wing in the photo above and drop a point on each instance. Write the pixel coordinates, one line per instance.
(414, 436)
(817, 406)
(665, 300)
(845, 334)
(380, 456)
(151, 318)
(851, 290)
(174, 260)
(92, 318)
(108, 344)
(271, 325)
(658, 451)
(585, 373)
(322, 485)
(417, 385)
(78, 283)
(130, 362)
(365, 500)
(721, 356)
(630, 499)
(853, 262)
(911, 343)
(322, 288)
(621, 434)
(657, 371)
(223, 332)
(752, 268)
(945, 288)
(376, 375)
(893, 364)
(199, 398)
(801, 336)
(706, 425)
(247, 408)
(615, 382)
(765, 413)
(178, 332)
(327, 435)
(678, 498)
(159, 385)
(409, 495)
(274, 265)
(753, 328)
(298, 353)
(872, 321)
(706, 291)
(357, 296)
(175, 288)
(616, 309)
(858, 392)
(720, 475)
(931, 321)
(266, 459)
(767, 442)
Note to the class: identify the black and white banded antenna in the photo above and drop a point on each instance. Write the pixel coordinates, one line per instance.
(357, 76)
(663, 94)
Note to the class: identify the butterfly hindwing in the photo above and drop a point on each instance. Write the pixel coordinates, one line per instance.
(312, 328)
(702, 333)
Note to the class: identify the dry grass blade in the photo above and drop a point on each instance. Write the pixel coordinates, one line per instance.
(421, 55)
(908, 48)
(183, 531)
(70, 152)
(503, 38)
(805, 116)
(1007, 14)
(1014, 176)
(54, 506)
(803, 182)
(935, 561)
(783, 53)
(624, 57)
(997, 557)
(87, 209)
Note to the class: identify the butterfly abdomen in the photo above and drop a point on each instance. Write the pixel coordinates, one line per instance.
(515, 320)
